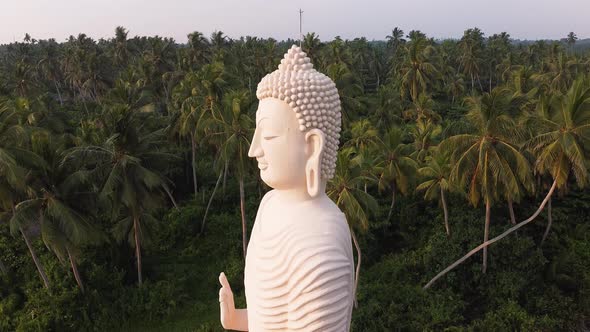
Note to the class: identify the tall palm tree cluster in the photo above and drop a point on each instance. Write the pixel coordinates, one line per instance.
(97, 137)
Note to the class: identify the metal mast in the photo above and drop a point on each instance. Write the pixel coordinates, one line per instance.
(300, 30)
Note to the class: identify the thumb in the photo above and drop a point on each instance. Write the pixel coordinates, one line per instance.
(223, 281)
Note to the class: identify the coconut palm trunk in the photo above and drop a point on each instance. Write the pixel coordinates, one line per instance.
(35, 259)
(243, 213)
(549, 221)
(3, 268)
(445, 211)
(194, 162)
(358, 266)
(209, 203)
(479, 82)
(136, 231)
(496, 239)
(61, 103)
(225, 170)
(171, 197)
(486, 236)
(392, 201)
(511, 210)
(75, 270)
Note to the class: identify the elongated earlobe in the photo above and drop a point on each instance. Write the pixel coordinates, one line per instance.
(315, 142)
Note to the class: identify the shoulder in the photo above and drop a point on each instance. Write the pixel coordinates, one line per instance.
(327, 219)
(267, 197)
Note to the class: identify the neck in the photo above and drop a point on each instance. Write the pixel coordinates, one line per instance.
(297, 195)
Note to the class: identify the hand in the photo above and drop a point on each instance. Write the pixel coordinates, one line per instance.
(226, 303)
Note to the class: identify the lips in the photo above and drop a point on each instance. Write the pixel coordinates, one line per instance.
(262, 164)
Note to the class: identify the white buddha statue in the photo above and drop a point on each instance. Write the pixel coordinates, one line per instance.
(299, 262)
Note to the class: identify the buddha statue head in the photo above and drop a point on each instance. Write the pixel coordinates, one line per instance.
(297, 126)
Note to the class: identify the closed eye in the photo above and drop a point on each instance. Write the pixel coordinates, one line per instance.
(268, 138)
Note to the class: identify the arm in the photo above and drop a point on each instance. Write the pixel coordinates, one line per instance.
(231, 318)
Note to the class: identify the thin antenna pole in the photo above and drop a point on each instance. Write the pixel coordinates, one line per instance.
(300, 30)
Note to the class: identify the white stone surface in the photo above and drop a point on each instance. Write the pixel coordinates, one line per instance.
(299, 264)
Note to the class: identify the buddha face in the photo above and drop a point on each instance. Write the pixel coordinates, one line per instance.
(279, 146)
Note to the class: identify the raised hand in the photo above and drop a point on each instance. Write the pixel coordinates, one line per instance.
(226, 303)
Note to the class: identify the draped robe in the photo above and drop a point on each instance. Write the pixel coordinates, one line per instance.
(299, 269)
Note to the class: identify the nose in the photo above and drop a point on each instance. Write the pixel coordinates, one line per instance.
(255, 148)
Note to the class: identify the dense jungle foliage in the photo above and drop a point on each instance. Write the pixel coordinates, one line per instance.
(123, 184)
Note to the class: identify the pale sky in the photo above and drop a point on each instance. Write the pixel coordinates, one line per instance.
(374, 19)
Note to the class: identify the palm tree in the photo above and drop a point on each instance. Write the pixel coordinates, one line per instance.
(218, 43)
(350, 88)
(559, 72)
(418, 71)
(488, 159)
(130, 164)
(395, 50)
(121, 51)
(571, 40)
(561, 149)
(48, 66)
(395, 39)
(196, 99)
(311, 45)
(388, 109)
(456, 87)
(344, 190)
(57, 203)
(233, 128)
(397, 167)
(561, 140)
(367, 159)
(421, 109)
(13, 174)
(185, 122)
(435, 175)
(425, 135)
(498, 46)
(471, 45)
(363, 135)
(198, 49)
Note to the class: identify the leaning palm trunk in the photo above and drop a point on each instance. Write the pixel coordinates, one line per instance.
(209, 204)
(171, 197)
(136, 231)
(479, 82)
(61, 103)
(225, 169)
(549, 221)
(35, 259)
(445, 211)
(3, 268)
(486, 236)
(497, 238)
(511, 210)
(392, 201)
(358, 266)
(243, 212)
(194, 162)
(75, 270)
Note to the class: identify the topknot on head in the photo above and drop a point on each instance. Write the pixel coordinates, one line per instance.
(295, 60)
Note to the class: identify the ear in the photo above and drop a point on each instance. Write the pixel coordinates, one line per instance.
(315, 148)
